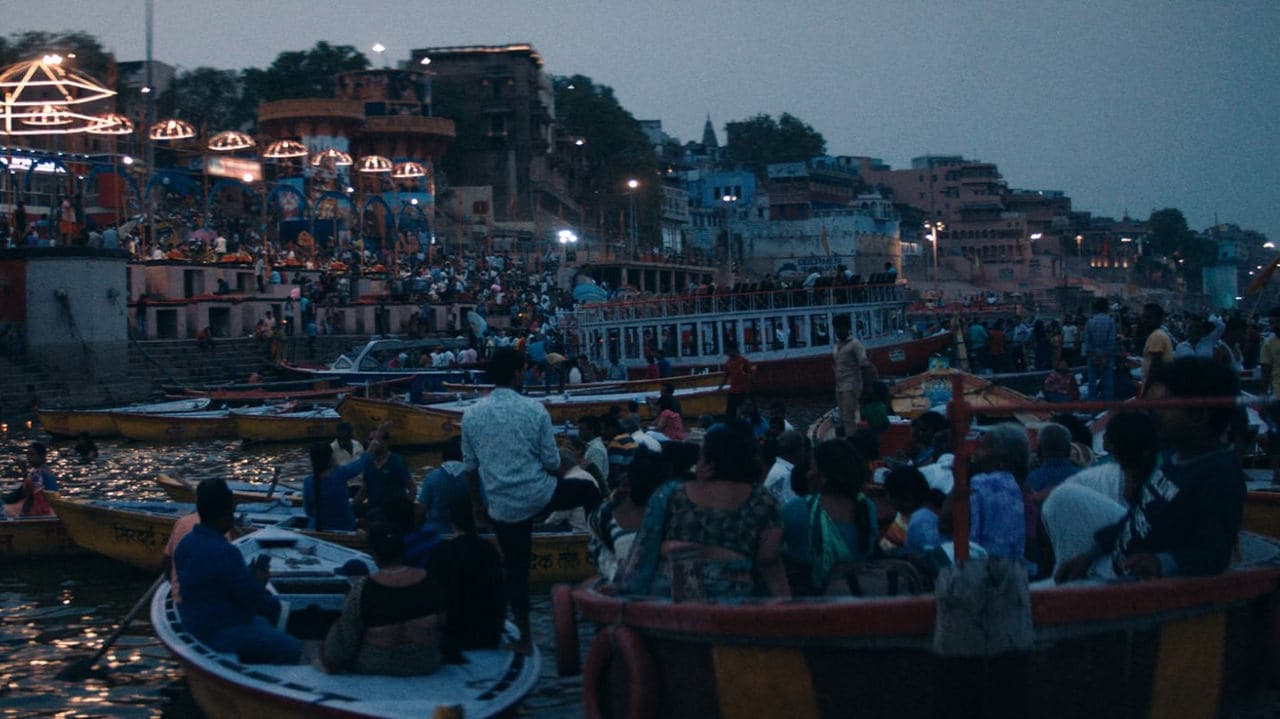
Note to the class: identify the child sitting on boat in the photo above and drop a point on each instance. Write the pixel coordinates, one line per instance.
(28, 500)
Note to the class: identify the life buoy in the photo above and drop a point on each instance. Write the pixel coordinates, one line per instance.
(568, 658)
(626, 645)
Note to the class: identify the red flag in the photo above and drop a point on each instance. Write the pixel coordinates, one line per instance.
(1262, 279)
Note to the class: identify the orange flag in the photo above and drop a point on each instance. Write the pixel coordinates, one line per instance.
(1262, 279)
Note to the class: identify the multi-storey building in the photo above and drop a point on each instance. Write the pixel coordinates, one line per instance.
(503, 105)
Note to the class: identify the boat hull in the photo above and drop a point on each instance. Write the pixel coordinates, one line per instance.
(1262, 513)
(36, 537)
(172, 428)
(71, 423)
(1172, 647)
(410, 425)
(274, 428)
(180, 491)
(680, 381)
(135, 538)
(812, 373)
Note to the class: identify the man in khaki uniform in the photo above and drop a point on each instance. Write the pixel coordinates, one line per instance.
(848, 356)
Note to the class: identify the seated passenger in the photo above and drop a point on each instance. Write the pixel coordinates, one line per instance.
(997, 510)
(440, 487)
(715, 536)
(28, 500)
(1060, 384)
(833, 529)
(1054, 449)
(224, 604)
(391, 620)
(469, 572)
(615, 522)
(1186, 515)
(910, 496)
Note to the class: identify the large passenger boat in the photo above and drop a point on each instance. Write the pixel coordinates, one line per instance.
(787, 333)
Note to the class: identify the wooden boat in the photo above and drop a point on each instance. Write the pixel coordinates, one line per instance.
(287, 426)
(913, 396)
(181, 491)
(29, 537)
(1165, 647)
(136, 532)
(786, 333)
(411, 425)
(1261, 504)
(98, 423)
(180, 427)
(303, 572)
(367, 364)
(414, 425)
(556, 556)
(703, 379)
(307, 390)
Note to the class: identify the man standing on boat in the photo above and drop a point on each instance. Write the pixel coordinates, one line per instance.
(848, 356)
(737, 372)
(509, 448)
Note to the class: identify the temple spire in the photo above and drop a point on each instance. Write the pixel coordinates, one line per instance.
(709, 135)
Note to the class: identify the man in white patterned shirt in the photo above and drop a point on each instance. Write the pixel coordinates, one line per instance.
(508, 446)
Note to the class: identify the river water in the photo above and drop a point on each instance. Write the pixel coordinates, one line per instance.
(53, 612)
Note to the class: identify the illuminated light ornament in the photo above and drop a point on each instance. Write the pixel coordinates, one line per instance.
(50, 116)
(408, 171)
(172, 129)
(284, 149)
(230, 141)
(110, 123)
(40, 97)
(330, 156)
(374, 164)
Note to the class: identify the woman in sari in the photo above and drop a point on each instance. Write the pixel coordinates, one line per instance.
(833, 529)
(714, 538)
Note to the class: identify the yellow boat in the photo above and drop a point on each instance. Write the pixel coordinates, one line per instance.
(98, 423)
(413, 425)
(710, 379)
(184, 427)
(29, 537)
(181, 491)
(135, 536)
(286, 427)
(410, 425)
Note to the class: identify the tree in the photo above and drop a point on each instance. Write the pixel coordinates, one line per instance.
(300, 73)
(761, 141)
(616, 150)
(208, 97)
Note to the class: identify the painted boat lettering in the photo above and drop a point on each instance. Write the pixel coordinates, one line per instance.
(145, 537)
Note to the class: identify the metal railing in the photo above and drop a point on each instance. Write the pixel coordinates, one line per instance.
(671, 306)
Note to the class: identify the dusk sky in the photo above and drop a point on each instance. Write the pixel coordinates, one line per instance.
(1122, 105)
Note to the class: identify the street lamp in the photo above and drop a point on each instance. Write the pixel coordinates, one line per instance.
(934, 228)
(1268, 245)
(1079, 242)
(632, 184)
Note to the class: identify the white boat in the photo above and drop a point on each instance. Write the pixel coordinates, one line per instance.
(787, 333)
(368, 363)
(303, 573)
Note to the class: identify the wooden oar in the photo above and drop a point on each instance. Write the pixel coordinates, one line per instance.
(80, 668)
(275, 479)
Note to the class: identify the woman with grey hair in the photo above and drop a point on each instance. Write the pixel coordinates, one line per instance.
(996, 507)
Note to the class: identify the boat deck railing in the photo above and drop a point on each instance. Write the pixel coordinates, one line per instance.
(758, 301)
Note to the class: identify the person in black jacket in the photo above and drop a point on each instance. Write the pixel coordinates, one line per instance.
(1187, 513)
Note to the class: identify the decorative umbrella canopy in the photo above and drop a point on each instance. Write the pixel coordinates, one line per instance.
(110, 123)
(50, 116)
(172, 129)
(373, 164)
(37, 97)
(337, 158)
(284, 149)
(408, 171)
(230, 141)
